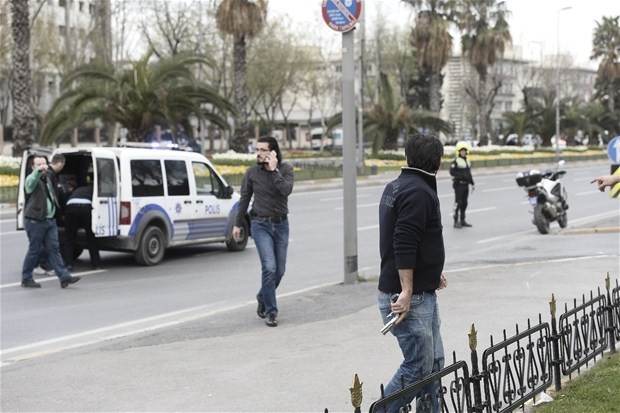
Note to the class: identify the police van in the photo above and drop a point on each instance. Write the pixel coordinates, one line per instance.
(147, 200)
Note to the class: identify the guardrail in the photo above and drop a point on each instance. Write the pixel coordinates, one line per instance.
(518, 368)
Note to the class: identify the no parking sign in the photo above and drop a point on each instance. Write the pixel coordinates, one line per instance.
(341, 15)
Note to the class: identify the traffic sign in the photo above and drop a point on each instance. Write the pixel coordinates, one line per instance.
(613, 149)
(341, 15)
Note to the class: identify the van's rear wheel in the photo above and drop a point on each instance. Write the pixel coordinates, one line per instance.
(151, 248)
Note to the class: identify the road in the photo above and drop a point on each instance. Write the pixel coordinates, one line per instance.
(206, 286)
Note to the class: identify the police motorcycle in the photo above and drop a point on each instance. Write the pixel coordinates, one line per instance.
(547, 195)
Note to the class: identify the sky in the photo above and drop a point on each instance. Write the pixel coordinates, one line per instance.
(533, 23)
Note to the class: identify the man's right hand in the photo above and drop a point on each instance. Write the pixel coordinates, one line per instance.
(401, 306)
(236, 233)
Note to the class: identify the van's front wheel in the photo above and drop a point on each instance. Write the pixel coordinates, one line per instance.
(151, 248)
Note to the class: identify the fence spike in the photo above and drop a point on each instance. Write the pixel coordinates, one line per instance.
(356, 392)
(552, 304)
(607, 282)
(473, 337)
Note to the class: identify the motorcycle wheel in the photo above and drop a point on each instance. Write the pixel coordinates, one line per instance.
(542, 223)
(563, 220)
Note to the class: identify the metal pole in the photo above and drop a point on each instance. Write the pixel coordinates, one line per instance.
(360, 114)
(557, 89)
(348, 159)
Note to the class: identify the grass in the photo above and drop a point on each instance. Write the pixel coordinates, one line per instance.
(594, 391)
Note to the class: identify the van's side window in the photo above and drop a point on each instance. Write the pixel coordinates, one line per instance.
(202, 173)
(146, 177)
(106, 178)
(176, 178)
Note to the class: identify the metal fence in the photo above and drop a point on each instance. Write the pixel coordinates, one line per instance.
(517, 369)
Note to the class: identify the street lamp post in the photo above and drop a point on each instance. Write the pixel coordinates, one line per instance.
(557, 89)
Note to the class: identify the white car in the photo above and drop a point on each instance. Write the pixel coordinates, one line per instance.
(148, 200)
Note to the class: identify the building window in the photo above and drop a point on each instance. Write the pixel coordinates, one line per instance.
(508, 106)
(81, 6)
(62, 3)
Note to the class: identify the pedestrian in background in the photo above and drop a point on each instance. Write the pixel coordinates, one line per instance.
(270, 182)
(78, 214)
(40, 224)
(54, 168)
(412, 259)
(460, 170)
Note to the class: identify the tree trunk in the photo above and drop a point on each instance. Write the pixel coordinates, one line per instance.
(482, 109)
(240, 140)
(435, 93)
(611, 92)
(21, 90)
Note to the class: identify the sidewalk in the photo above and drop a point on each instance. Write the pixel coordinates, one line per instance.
(230, 362)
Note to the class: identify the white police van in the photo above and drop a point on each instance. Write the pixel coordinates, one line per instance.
(147, 200)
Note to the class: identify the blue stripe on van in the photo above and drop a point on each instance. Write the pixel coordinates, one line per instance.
(143, 211)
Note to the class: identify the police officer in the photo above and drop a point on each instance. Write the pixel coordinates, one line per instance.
(460, 170)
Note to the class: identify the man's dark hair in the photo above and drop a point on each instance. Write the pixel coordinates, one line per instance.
(424, 152)
(273, 145)
(58, 158)
(35, 157)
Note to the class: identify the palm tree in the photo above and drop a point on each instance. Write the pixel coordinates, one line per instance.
(388, 118)
(137, 97)
(433, 42)
(606, 45)
(21, 86)
(243, 19)
(485, 33)
(519, 123)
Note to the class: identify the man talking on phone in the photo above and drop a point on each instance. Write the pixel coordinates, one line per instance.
(270, 182)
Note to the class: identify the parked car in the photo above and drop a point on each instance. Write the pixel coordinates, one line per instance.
(148, 200)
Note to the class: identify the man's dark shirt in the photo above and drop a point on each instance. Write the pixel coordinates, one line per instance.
(270, 191)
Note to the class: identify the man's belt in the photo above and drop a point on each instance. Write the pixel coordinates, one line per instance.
(275, 220)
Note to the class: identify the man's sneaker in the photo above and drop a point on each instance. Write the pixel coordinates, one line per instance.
(71, 280)
(271, 320)
(31, 284)
(465, 224)
(458, 225)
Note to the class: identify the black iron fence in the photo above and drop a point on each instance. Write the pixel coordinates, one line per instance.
(517, 369)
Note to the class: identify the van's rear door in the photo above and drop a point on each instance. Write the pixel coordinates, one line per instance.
(24, 171)
(106, 197)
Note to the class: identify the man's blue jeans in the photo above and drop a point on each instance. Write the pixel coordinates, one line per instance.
(420, 341)
(42, 236)
(271, 240)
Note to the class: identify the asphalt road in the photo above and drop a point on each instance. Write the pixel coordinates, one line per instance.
(183, 335)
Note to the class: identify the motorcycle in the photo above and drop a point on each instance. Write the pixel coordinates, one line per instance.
(547, 195)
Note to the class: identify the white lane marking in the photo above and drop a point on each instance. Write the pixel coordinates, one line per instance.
(199, 312)
(52, 278)
(596, 191)
(2, 234)
(340, 198)
(521, 264)
(374, 204)
(507, 188)
(574, 221)
(368, 227)
(4, 221)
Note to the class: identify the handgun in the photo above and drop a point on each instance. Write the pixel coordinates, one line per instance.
(392, 317)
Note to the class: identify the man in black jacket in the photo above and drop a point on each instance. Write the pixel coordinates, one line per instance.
(40, 223)
(412, 260)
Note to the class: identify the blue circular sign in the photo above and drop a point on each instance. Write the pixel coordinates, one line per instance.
(341, 15)
(613, 149)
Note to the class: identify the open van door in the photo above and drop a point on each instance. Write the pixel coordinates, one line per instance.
(24, 170)
(106, 199)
